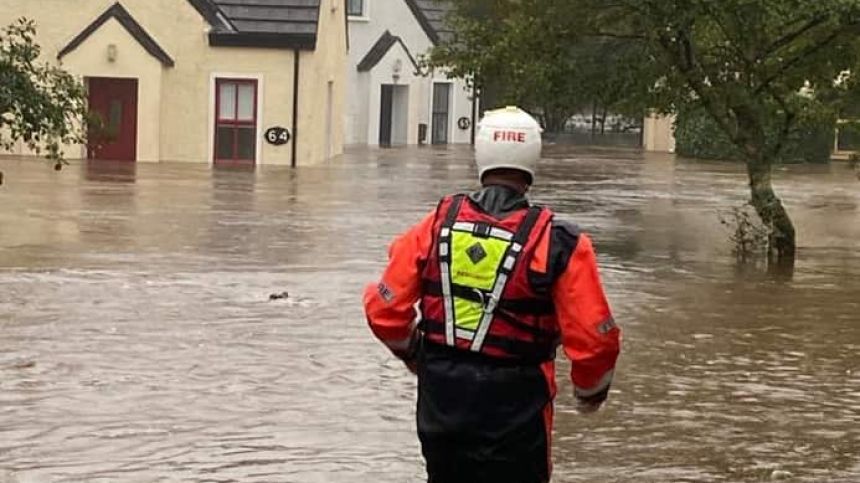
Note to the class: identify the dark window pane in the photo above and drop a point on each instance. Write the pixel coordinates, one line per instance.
(440, 129)
(225, 142)
(441, 94)
(849, 137)
(247, 144)
(355, 8)
(441, 105)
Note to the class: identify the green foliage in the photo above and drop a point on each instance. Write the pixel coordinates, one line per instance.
(743, 62)
(698, 136)
(539, 62)
(40, 104)
(747, 233)
(766, 72)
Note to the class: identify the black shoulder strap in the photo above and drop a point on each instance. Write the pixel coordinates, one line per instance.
(528, 224)
(453, 211)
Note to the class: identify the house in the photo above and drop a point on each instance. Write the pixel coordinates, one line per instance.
(658, 134)
(217, 81)
(391, 99)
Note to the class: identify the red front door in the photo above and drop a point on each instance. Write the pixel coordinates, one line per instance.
(236, 121)
(114, 101)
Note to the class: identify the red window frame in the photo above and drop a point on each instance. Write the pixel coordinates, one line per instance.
(235, 122)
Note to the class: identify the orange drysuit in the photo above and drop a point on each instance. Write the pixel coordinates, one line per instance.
(483, 416)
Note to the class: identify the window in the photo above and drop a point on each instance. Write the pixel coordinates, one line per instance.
(441, 110)
(236, 120)
(355, 8)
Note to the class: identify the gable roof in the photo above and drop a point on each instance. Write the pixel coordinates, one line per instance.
(380, 49)
(118, 12)
(431, 15)
(261, 23)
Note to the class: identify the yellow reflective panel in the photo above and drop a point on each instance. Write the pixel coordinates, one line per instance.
(475, 261)
(468, 313)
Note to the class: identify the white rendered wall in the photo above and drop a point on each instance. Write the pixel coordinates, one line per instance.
(362, 118)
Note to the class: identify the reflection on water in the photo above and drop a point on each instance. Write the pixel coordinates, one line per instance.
(137, 341)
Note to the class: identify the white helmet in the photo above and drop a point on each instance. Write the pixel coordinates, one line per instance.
(508, 138)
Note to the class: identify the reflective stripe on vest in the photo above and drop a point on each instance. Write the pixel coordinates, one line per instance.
(477, 258)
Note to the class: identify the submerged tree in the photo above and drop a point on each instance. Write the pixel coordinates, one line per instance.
(40, 104)
(758, 68)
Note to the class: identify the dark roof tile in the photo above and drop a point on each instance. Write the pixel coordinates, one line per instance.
(266, 23)
(431, 15)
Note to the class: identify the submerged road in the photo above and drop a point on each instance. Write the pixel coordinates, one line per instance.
(138, 342)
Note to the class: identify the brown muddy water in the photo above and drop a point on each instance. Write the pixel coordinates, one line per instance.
(138, 344)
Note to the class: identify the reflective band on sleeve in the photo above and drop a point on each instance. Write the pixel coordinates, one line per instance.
(607, 326)
(509, 263)
(443, 250)
(449, 304)
(600, 387)
(445, 232)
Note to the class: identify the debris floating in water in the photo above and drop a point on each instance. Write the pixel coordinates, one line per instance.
(279, 296)
(26, 364)
(781, 475)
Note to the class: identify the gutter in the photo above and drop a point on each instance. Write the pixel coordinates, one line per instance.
(474, 113)
(296, 65)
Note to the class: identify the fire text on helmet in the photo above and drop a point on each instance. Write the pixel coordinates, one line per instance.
(509, 136)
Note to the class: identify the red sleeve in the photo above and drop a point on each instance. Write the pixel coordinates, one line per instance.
(590, 337)
(390, 303)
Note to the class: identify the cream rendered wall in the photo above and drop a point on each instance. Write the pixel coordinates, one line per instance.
(185, 117)
(659, 134)
(318, 68)
(188, 108)
(396, 17)
(132, 61)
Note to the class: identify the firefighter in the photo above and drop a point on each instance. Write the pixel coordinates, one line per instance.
(500, 284)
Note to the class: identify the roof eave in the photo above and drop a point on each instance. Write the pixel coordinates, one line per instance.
(423, 21)
(125, 19)
(263, 40)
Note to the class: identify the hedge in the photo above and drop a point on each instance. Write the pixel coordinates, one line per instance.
(697, 136)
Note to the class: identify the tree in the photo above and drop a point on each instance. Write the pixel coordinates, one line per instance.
(538, 62)
(40, 104)
(758, 67)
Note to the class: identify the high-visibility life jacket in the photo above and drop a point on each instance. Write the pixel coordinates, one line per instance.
(477, 295)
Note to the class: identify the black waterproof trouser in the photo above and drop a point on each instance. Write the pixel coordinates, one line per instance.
(481, 421)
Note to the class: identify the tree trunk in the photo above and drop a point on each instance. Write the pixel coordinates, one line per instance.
(770, 209)
(593, 118)
(603, 121)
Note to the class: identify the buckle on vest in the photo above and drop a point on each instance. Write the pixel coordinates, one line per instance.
(482, 230)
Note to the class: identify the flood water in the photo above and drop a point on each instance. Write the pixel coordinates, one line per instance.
(138, 344)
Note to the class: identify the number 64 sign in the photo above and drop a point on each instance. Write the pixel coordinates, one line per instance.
(277, 136)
